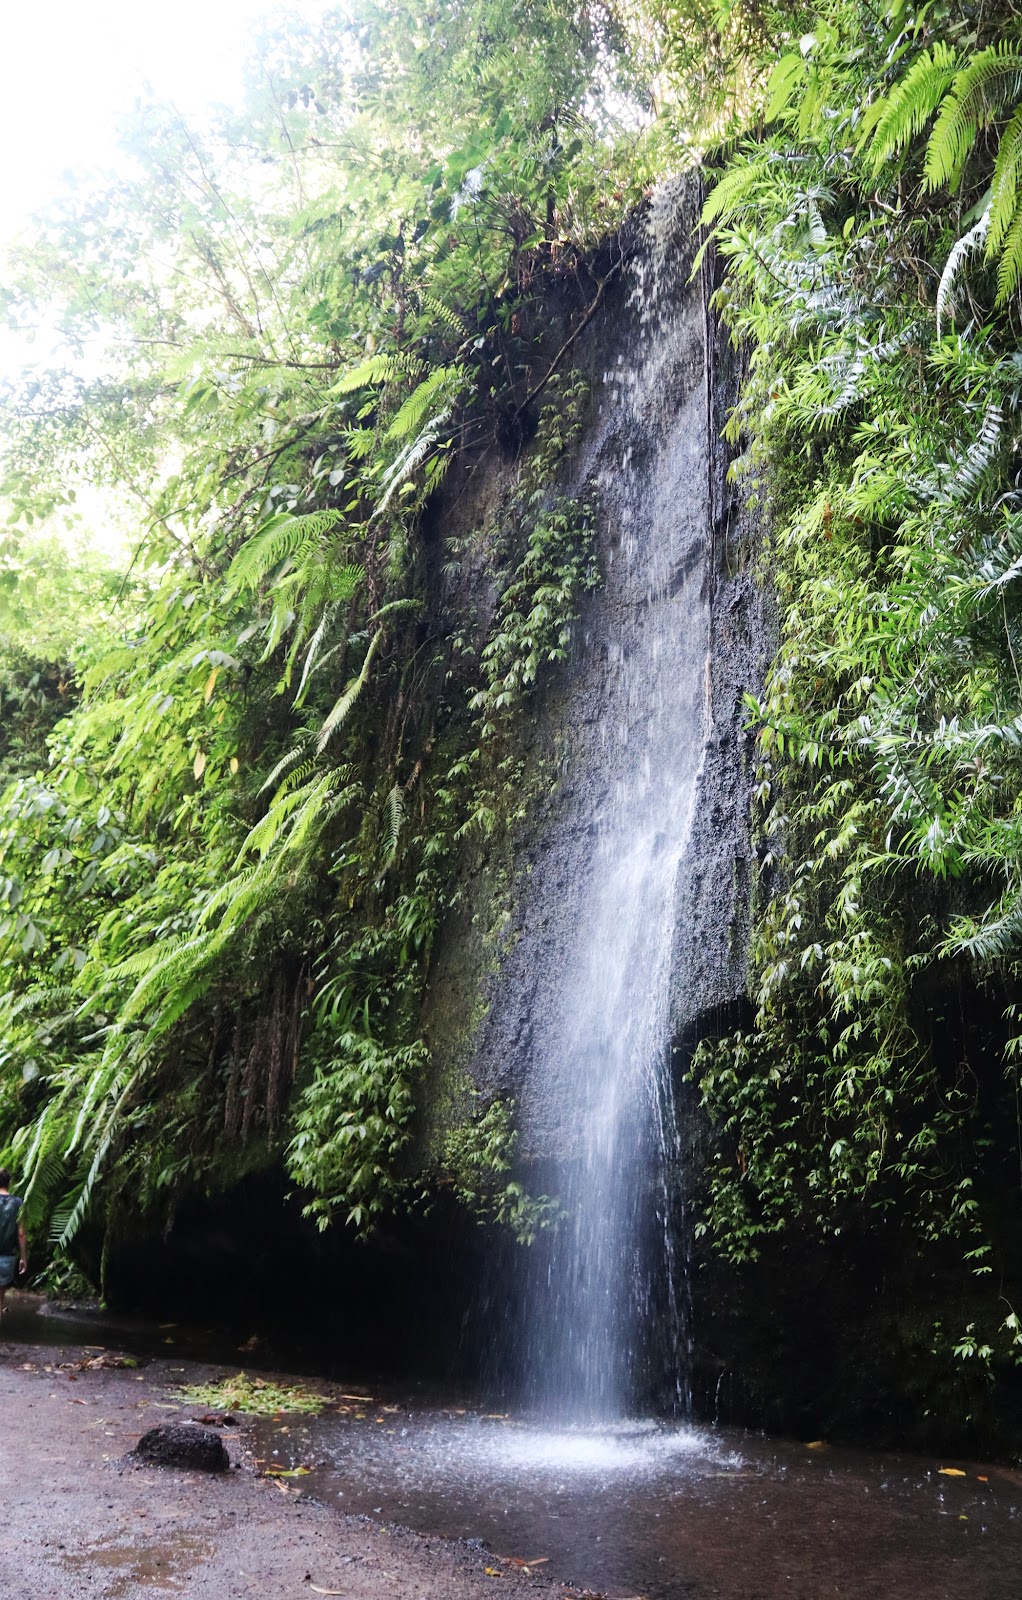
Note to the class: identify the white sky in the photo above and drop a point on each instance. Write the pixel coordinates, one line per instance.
(71, 67)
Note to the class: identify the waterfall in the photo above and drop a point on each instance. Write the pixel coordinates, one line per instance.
(598, 1096)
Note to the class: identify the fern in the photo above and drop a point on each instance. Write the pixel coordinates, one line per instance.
(278, 540)
(990, 83)
(912, 102)
(1009, 268)
(395, 813)
(958, 255)
(381, 368)
(343, 706)
(958, 478)
(412, 457)
(281, 766)
(1003, 202)
(736, 188)
(104, 1144)
(312, 653)
(443, 381)
(451, 320)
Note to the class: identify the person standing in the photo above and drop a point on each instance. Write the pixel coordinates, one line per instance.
(13, 1244)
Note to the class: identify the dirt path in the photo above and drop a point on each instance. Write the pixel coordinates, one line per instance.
(77, 1524)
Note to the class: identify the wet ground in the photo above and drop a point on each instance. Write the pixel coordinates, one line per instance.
(79, 1523)
(662, 1512)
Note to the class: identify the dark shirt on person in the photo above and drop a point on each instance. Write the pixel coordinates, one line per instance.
(10, 1205)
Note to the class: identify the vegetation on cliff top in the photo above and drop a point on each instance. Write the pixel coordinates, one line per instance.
(871, 235)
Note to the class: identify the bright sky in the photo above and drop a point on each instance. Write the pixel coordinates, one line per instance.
(71, 67)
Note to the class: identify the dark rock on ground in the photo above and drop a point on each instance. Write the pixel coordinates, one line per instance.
(182, 1445)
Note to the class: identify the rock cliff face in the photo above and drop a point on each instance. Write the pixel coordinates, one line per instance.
(661, 659)
(606, 918)
(610, 920)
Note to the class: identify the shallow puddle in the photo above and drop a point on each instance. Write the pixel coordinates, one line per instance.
(118, 1569)
(671, 1513)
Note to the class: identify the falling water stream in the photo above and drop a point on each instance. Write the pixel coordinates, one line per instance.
(601, 1048)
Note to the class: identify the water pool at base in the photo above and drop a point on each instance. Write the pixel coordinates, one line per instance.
(669, 1512)
(641, 1509)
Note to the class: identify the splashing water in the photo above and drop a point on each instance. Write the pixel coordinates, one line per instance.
(603, 1289)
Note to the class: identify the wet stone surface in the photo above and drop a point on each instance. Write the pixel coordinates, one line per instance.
(182, 1445)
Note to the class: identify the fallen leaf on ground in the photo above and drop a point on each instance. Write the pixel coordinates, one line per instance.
(952, 1472)
(517, 1561)
(817, 1444)
(980, 1478)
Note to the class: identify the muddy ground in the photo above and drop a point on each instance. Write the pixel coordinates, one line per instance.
(79, 1523)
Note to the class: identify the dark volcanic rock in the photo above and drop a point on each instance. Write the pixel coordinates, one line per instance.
(175, 1444)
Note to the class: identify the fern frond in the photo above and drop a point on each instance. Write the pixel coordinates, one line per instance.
(103, 1147)
(359, 442)
(285, 761)
(735, 189)
(444, 381)
(395, 815)
(958, 255)
(179, 964)
(958, 478)
(452, 321)
(49, 1173)
(1004, 184)
(1009, 268)
(411, 457)
(990, 84)
(311, 654)
(382, 368)
(279, 539)
(266, 833)
(347, 700)
(912, 102)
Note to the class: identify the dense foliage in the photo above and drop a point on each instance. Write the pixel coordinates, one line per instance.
(220, 890)
(872, 236)
(221, 884)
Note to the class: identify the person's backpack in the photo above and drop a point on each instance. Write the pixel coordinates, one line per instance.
(10, 1205)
